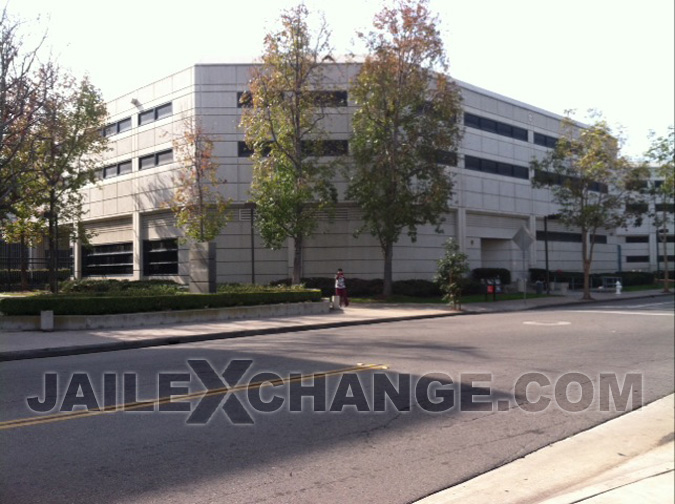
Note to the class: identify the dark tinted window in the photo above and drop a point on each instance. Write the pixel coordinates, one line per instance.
(637, 239)
(146, 117)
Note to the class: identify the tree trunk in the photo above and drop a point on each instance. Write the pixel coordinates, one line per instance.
(587, 266)
(23, 263)
(666, 275)
(297, 261)
(387, 287)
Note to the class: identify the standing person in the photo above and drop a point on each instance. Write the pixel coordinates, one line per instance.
(341, 288)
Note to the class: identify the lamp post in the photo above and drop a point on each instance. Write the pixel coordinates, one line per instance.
(662, 238)
(546, 218)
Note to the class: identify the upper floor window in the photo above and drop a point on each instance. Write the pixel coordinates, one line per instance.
(550, 178)
(545, 140)
(155, 114)
(325, 147)
(496, 167)
(499, 128)
(329, 98)
(117, 169)
(244, 99)
(117, 127)
(637, 239)
(319, 98)
(156, 159)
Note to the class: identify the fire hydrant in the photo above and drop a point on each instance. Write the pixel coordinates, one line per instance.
(618, 287)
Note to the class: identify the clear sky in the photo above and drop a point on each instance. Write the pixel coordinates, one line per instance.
(613, 55)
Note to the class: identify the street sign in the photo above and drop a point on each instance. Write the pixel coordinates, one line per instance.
(523, 238)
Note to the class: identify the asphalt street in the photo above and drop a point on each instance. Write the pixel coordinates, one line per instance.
(397, 455)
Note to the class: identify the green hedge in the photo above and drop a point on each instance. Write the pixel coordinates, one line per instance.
(108, 305)
(109, 287)
(485, 273)
(628, 278)
(359, 287)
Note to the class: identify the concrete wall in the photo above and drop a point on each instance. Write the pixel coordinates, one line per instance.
(488, 209)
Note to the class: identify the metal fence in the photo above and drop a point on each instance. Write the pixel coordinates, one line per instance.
(36, 274)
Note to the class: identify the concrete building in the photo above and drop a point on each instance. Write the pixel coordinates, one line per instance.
(135, 236)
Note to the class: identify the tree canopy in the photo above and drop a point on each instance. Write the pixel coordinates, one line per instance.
(22, 96)
(292, 179)
(405, 128)
(200, 209)
(595, 187)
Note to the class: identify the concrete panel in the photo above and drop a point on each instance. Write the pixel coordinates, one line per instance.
(506, 149)
(490, 146)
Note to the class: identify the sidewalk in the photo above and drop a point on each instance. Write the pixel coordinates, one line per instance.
(21, 345)
(626, 460)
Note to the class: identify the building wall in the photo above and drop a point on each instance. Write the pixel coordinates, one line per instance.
(488, 208)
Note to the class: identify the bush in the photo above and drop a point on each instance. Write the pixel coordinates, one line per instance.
(37, 278)
(576, 278)
(356, 287)
(483, 273)
(121, 287)
(635, 278)
(108, 305)
(472, 287)
(416, 288)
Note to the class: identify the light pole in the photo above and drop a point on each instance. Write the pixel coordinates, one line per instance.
(546, 218)
(662, 238)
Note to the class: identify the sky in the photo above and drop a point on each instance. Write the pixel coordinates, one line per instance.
(615, 56)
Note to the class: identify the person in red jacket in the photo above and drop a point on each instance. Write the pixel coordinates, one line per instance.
(341, 288)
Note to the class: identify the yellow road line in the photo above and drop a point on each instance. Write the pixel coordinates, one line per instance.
(57, 417)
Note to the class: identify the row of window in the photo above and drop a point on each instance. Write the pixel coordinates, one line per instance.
(329, 148)
(144, 162)
(160, 257)
(645, 239)
(561, 236)
(500, 128)
(504, 129)
(550, 178)
(645, 258)
(145, 117)
(319, 98)
(496, 167)
(117, 127)
(545, 140)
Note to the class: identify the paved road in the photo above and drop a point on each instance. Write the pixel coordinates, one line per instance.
(388, 456)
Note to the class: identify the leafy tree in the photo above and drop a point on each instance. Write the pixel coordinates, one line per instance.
(197, 205)
(65, 155)
(22, 95)
(405, 126)
(661, 156)
(291, 182)
(24, 227)
(450, 274)
(594, 186)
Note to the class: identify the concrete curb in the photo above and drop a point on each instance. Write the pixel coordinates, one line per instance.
(176, 340)
(159, 318)
(576, 302)
(608, 457)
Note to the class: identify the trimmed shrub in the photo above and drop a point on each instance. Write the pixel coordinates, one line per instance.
(629, 278)
(356, 287)
(119, 287)
(416, 288)
(108, 305)
(471, 287)
(483, 273)
(576, 278)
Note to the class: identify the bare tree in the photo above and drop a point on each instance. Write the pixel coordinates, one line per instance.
(22, 95)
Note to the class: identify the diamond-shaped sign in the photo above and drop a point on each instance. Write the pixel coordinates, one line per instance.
(523, 238)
